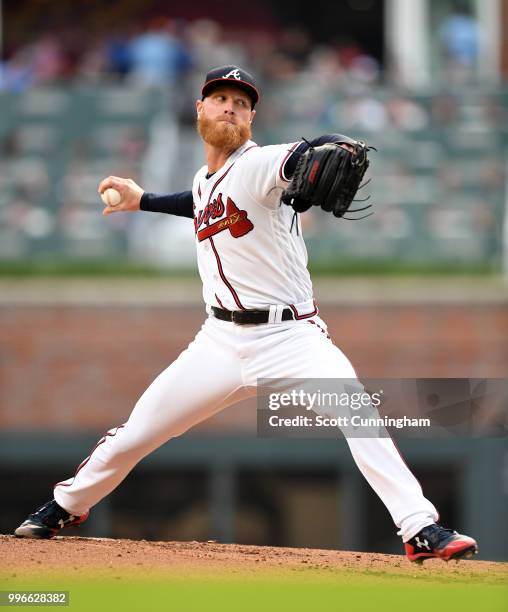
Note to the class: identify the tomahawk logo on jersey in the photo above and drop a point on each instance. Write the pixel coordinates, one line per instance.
(236, 220)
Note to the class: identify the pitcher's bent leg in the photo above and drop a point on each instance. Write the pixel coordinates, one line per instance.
(177, 399)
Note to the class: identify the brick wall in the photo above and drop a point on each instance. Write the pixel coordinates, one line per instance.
(67, 367)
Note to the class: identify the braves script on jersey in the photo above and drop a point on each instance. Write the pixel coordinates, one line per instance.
(248, 257)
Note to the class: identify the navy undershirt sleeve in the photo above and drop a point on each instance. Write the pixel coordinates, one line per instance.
(179, 204)
(292, 160)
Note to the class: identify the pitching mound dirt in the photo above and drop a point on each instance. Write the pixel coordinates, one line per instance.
(107, 556)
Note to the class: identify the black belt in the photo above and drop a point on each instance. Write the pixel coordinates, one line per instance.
(248, 317)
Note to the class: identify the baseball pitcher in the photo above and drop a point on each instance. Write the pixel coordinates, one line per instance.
(263, 321)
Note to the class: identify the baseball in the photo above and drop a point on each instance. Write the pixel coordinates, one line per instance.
(111, 197)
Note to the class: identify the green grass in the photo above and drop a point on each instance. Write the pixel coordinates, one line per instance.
(397, 267)
(381, 592)
(51, 267)
(85, 268)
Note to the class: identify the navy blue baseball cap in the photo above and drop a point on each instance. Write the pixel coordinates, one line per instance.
(234, 76)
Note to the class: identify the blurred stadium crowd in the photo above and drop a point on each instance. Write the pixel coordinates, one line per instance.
(75, 108)
(165, 51)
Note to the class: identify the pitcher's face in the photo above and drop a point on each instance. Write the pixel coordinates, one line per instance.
(224, 117)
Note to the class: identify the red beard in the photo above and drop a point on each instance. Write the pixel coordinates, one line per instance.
(223, 135)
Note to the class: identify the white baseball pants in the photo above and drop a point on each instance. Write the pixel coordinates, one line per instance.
(220, 367)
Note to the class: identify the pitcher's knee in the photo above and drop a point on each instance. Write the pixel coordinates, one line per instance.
(127, 445)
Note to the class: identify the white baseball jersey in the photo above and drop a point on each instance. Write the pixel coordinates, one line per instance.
(250, 253)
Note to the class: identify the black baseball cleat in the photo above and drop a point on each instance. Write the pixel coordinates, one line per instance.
(47, 521)
(435, 541)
